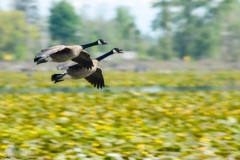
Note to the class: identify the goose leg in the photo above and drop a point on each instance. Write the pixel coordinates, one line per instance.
(58, 77)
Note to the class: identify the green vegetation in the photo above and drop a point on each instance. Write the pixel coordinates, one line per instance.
(197, 28)
(13, 35)
(178, 125)
(168, 125)
(121, 31)
(18, 80)
(64, 23)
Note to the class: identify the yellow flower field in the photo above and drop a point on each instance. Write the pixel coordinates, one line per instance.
(168, 125)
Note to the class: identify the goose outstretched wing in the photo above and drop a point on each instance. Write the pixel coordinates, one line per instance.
(84, 60)
(96, 79)
(65, 66)
(59, 50)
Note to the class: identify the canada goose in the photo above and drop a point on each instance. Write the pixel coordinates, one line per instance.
(77, 71)
(62, 53)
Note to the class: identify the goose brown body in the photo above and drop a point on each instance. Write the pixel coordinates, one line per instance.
(75, 70)
(62, 53)
(59, 53)
(69, 52)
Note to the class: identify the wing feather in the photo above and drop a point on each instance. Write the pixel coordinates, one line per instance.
(84, 60)
(96, 79)
(65, 66)
(51, 50)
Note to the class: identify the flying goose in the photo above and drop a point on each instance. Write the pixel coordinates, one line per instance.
(62, 53)
(75, 70)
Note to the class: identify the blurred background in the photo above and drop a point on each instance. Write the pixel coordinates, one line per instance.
(173, 95)
(150, 31)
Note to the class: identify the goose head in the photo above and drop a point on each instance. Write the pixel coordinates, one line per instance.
(101, 42)
(117, 50)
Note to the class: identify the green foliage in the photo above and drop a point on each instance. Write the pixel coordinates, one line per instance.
(128, 32)
(13, 34)
(124, 20)
(64, 23)
(166, 51)
(167, 125)
(231, 30)
(91, 30)
(194, 28)
(197, 41)
(172, 125)
(17, 80)
(163, 17)
(120, 31)
(161, 22)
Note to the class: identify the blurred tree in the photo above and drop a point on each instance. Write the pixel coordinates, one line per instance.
(30, 7)
(93, 29)
(163, 23)
(13, 35)
(64, 23)
(126, 28)
(193, 27)
(120, 31)
(198, 35)
(228, 14)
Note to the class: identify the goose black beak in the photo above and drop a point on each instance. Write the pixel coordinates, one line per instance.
(41, 61)
(104, 43)
(121, 51)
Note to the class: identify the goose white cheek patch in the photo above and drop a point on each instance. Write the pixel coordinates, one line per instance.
(115, 52)
(99, 42)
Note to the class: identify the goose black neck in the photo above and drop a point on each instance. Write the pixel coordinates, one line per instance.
(89, 45)
(104, 56)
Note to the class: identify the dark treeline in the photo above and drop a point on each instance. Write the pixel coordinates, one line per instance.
(198, 29)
